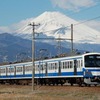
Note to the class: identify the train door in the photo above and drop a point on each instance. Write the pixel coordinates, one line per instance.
(7, 73)
(46, 71)
(59, 68)
(19, 70)
(53, 68)
(10, 71)
(3, 71)
(79, 66)
(42, 69)
(23, 70)
(14, 71)
(75, 67)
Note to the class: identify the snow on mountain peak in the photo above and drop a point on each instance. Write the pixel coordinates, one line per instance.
(54, 23)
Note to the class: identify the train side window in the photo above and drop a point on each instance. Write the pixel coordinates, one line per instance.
(81, 63)
(40, 67)
(77, 63)
(19, 69)
(61, 65)
(28, 68)
(2, 70)
(7, 70)
(52, 66)
(71, 64)
(64, 65)
(49, 66)
(43, 67)
(36, 67)
(10, 69)
(68, 64)
(55, 65)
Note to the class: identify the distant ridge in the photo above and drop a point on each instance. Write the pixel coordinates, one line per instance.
(14, 48)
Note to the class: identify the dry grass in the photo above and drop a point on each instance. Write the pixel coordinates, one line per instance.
(18, 92)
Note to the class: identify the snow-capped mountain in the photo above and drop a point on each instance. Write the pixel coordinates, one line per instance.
(52, 25)
(55, 24)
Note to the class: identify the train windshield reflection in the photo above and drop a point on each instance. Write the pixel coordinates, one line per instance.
(92, 61)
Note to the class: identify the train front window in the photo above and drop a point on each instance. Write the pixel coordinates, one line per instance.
(92, 61)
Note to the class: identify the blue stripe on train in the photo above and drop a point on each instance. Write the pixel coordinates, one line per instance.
(67, 74)
(84, 69)
(88, 72)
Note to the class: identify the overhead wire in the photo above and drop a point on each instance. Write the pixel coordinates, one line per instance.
(87, 20)
(61, 27)
(71, 23)
(78, 22)
(68, 15)
(74, 24)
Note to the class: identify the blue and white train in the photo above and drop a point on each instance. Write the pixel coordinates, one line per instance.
(80, 69)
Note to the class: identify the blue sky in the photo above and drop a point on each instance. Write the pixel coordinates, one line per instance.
(13, 11)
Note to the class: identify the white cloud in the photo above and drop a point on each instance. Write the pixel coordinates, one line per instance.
(12, 28)
(73, 4)
(4, 29)
(94, 24)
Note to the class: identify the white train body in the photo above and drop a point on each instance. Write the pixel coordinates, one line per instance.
(85, 67)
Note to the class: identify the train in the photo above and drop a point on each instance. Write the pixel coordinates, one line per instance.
(83, 69)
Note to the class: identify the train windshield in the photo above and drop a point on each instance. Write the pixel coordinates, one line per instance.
(92, 61)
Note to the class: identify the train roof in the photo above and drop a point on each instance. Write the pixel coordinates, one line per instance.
(53, 59)
(68, 57)
(92, 53)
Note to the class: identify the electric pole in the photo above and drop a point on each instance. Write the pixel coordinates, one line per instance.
(33, 54)
(71, 37)
(59, 46)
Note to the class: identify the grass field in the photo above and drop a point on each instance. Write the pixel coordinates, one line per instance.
(19, 92)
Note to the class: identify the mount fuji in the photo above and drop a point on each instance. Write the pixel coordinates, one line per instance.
(55, 25)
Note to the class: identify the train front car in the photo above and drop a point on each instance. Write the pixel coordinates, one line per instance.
(91, 69)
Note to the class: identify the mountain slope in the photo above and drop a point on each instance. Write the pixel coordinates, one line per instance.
(54, 23)
(13, 48)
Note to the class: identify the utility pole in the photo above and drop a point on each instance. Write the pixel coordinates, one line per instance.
(71, 37)
(33, 55)
(59, 46)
